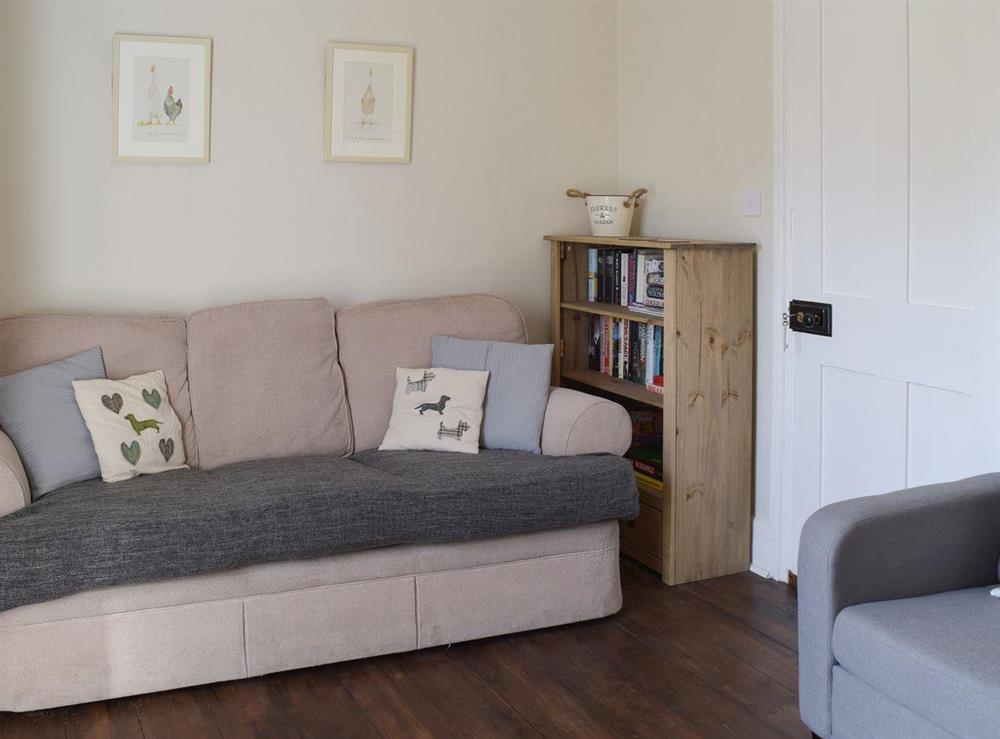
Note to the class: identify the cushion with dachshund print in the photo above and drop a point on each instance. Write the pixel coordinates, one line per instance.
(437, 409)
(134, 429)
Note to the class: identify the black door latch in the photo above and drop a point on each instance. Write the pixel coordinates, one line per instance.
(808, 317)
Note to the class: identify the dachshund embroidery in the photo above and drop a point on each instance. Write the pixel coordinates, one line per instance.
(418, 386)
(455, 433)
(140, 426)
(439, 406)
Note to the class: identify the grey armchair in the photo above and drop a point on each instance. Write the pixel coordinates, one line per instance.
(898, 633)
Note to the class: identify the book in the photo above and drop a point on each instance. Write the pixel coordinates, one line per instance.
(643, 354)
(616, 277)
(609, 275)
(606, 340)
(646, 309)
(653, 280)
(640, 284)
(626, 359)
(650, 366)
(594, 343)
(647, 427)
(631, 278)
(648, 482)
(615, 346)
(600, 275)
(649, 470)
(647, 460)
(591, 275)
(623, 279)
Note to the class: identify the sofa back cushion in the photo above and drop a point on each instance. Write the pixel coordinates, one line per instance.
(265, 382)
(130, 345)
(376, 338)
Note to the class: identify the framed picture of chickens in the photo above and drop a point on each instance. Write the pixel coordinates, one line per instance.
(161, 99)
(368, 103)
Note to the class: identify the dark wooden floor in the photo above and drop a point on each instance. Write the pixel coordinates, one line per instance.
(709, 659)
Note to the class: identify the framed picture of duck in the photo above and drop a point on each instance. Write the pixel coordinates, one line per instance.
(368, 103)
(161, 99)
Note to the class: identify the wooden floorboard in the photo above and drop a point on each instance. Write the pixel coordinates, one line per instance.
(715, 658)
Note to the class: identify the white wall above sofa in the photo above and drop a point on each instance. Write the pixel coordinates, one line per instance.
(505, 118)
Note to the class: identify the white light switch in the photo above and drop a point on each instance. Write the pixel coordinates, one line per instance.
(750, 202)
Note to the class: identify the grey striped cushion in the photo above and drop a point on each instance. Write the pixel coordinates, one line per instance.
(517, 392)
(38, 411)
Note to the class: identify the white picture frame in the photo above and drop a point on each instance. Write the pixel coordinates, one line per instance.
(161, 109)
(368, 103)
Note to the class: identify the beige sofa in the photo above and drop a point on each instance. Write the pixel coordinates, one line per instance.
(309, 381)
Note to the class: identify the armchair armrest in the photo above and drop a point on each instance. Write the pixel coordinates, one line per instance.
(909, 543)
(577, 423)
(14, 491)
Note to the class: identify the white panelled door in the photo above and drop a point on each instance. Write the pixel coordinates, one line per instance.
(892, 181)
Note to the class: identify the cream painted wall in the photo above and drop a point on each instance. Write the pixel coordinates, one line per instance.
(504, 120)
(695, 92)
(673, 96)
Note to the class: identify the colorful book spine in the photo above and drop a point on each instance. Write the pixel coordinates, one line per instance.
(651, 354)
(658, 353)
(606, 345)
(647, 468)
(640, 273)
(631, 278)
(594, 343)
(623, 278)
(626, 350)
(654, 282)
(591, 275)
(643, 332)
(616, 277)
(649, 482)
(616, 346)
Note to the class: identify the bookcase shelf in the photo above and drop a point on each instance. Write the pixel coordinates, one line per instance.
(626, 388)
(615, 311)
(699, 525)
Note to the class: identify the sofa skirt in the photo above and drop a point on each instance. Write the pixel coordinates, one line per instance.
(256, 620)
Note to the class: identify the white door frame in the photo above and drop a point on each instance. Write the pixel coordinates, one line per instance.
(773, 546)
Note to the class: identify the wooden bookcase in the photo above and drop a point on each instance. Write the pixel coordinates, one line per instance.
(699, 525)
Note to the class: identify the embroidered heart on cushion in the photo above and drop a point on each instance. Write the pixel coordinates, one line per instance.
(167, 449)
(112, 402)
(153, 398)
(131, 452)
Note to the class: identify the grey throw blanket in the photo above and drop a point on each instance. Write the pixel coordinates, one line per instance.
(93, 534)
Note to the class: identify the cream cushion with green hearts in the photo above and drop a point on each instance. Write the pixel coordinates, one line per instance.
(134, 429)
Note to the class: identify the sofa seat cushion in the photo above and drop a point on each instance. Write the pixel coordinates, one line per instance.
(516, 488)
(187, 522)
(938, 655)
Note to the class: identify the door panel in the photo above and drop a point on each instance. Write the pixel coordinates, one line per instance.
(942, 431)
(863, 434)
(864, 165)
(892, 154)
(942, 153)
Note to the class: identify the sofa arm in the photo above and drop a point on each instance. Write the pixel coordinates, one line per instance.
(14, 491)
(913, 542)
(577, 423)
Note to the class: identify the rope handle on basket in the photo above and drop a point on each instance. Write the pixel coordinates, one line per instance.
(633, 197)
(574, 193)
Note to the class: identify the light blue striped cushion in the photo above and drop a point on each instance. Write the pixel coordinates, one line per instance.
(518, 388)
(38, 411)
